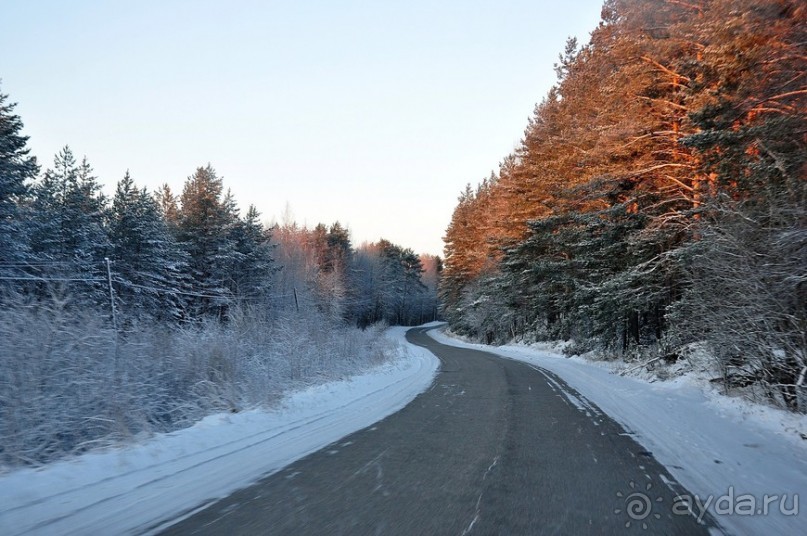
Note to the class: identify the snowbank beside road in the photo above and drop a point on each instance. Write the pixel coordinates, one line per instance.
(713, 447)
(139, 488)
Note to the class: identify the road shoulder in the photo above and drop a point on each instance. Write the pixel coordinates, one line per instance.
(717, 456)
(141, 485)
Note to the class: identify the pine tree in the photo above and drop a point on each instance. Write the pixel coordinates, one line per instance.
(229, 257)
(203, 230)
(400, 281)
(17, 168)
(668, 160)
(167, 202)
(364, 305)
(746, 268)
(147, 261)
(464, 251)
(68, 237)
(427, 303)
(386, 283)
(253, 266)
(332, 250)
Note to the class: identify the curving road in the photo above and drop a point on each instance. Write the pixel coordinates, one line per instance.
(493, 447)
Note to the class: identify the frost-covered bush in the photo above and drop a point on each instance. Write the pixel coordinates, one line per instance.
(70, 383)
(746, 295)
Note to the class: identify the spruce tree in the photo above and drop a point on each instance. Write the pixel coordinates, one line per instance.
(147, 262)
(252, 267)
(17, 168)
(68, 237)
(169, 208)
(202, 231)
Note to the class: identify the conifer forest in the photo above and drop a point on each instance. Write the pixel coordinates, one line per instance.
(146, 311)
(656, 205)
(656, 200)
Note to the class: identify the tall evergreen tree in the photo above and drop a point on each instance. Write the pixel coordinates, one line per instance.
(68, 233)
(17, 168)
(251, 273)
(668, 160)
(203, 230)
(148, 263)
(400, 282)
(169, 208)
(229, 257)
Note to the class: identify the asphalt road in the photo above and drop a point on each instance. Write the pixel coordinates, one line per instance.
(493, 447)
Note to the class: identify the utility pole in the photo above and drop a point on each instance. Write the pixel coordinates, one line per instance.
(111, 293)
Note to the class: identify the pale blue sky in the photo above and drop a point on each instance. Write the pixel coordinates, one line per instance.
(372, 113)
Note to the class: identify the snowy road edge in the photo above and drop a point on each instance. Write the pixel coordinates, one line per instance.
(142, 488)
(710, 449)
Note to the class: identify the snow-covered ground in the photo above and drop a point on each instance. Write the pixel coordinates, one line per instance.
(723, 450)
(140, 488)
(730, 454)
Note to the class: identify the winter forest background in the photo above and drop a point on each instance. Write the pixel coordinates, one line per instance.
(655, 207)
(147, 311)
(656, 204)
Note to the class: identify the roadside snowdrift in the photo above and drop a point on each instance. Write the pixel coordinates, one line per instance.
(714, 446)
(142, 487)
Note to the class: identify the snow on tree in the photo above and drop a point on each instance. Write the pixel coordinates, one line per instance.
(148, 263)
(68, 236)
(17, 169)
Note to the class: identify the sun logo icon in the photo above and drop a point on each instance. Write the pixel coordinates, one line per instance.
(638, 505)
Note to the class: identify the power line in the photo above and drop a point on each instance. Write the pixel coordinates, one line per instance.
(46, 279)
(199, 295)
(43, 263)
(169, 290)
(46, 260)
